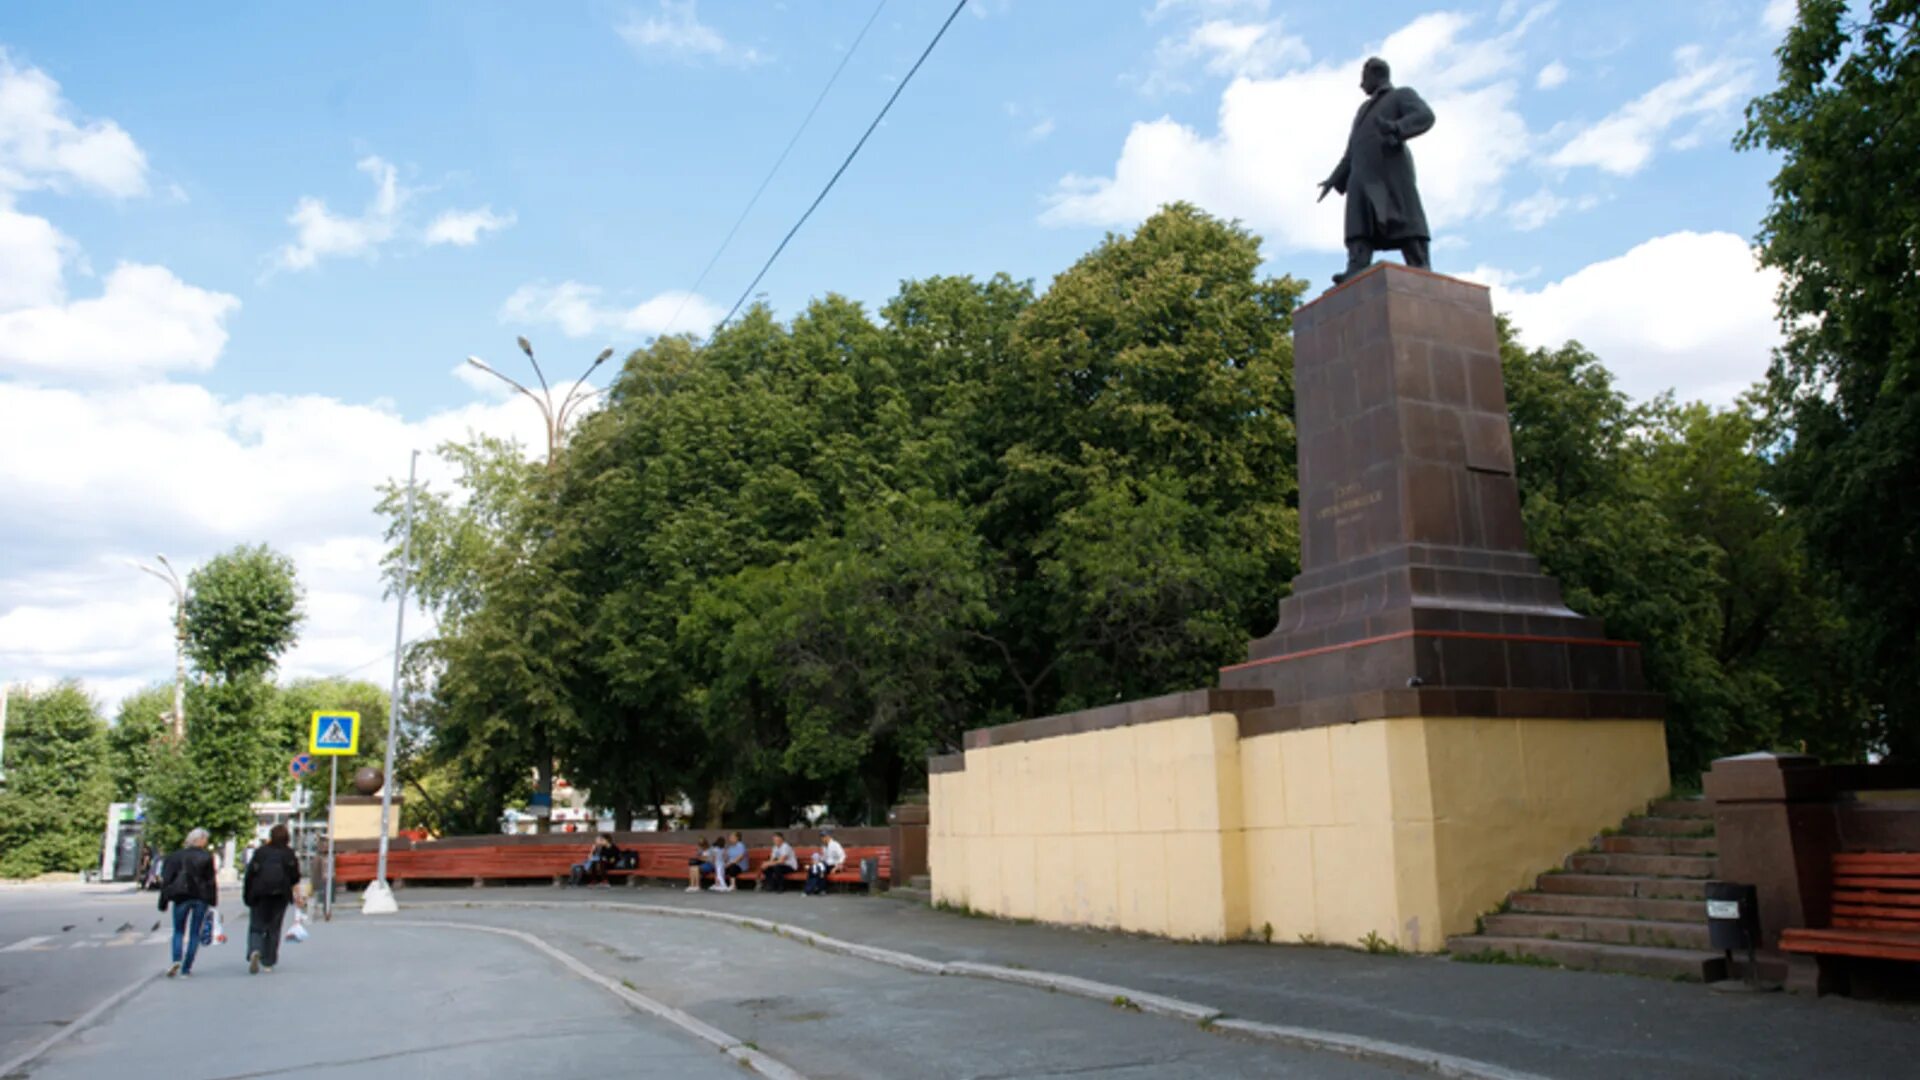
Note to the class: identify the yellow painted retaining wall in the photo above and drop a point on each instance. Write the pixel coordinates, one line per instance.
(1406, 829)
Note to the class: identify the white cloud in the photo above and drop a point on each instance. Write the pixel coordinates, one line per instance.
(320, 233)
(42, 145)
(1554, 74)
(1040, 130)
(1624, 142)
(144, 322)
(675, 31)
(578, 310)
(1536, 210)
(1779, 15)
(94, 479)
(463, 228)
(1254, 167)
(34, 254)
(1225, 49)
(1692, 312)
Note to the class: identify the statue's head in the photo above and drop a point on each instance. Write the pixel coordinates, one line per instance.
(1375, 76)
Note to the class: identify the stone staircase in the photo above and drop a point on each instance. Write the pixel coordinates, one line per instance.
(1635, 902)
(919, 888)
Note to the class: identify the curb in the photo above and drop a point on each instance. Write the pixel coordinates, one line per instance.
(1432, 1062)
(1118, 996)
(746, 1055)
(74, 1027)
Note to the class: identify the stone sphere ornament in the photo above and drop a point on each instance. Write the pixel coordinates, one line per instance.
(367, 780)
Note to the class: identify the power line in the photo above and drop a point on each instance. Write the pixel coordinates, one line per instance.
(835, 178)
(781, 160)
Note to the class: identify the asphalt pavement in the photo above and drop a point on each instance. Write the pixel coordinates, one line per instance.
(65, 948)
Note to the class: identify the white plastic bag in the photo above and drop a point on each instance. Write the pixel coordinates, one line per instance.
(298, 931)
(213, 931)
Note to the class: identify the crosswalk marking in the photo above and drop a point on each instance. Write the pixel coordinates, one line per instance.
(47, 942)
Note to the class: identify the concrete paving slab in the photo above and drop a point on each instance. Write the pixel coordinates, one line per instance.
(832, 1015)
(1554, 1023)
(357, 1001)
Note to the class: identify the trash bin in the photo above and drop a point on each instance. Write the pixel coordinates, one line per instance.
(1733, 916)
(869, 872)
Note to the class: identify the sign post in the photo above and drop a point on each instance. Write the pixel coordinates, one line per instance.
(334, 734)
(378, 899)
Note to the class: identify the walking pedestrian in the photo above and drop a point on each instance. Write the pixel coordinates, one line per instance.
(272, 874)
(186, 882)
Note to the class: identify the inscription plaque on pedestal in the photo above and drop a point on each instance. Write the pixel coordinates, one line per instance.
(1417, 595)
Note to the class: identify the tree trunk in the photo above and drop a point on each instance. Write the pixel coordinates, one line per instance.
(543, 785)
(717, 795)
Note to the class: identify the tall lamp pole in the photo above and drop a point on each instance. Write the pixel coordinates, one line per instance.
(378, 899)
(179, 643)
(556, 421)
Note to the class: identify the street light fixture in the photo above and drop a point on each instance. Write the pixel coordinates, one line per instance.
(179, 643)
(556, 418)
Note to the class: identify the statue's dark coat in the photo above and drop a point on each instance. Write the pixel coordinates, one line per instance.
(1383, 206)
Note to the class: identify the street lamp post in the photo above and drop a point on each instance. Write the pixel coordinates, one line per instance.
(179, 643)
(556, 421)
(379, 895)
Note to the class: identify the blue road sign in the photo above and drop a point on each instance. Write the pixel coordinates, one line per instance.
(336, 733)
(302, 766)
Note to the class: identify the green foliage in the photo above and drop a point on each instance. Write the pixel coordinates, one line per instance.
(290, 720)
(212, 781)
(243, 608)
(138, 737)
(1844, 231)
(54, 805)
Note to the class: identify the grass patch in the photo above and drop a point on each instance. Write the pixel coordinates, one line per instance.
(1495, 956)
(1379, 946)
(1122, 1001)
(1311, 939)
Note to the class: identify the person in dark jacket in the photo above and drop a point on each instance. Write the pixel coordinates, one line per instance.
(267, 889)
(186, 882)
(1376, 175)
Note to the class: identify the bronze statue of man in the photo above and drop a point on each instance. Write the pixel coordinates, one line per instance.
(1376, 175)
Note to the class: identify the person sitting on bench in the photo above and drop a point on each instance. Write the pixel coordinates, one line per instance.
(780, 862)
(733, 862)
(602, 857)
(829, 858)
(705, 861)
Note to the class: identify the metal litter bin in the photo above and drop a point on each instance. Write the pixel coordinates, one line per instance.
(1733, 922)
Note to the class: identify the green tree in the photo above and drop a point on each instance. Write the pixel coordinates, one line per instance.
(138, 737)
(53, 809)
(243, 612)
(1844, 231)
(291, 723)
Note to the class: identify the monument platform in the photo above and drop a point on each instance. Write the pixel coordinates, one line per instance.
(1427, 728)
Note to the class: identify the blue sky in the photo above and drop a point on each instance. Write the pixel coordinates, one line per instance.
(243, 250)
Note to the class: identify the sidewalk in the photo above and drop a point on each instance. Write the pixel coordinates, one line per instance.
(1558, 1023)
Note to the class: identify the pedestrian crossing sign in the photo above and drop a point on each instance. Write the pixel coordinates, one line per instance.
(335, 732)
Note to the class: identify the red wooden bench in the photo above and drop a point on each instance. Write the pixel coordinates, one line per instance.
(1876, 910)
(532, 862)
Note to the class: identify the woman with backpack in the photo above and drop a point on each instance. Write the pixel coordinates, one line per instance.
(186, 882)
(272, 874)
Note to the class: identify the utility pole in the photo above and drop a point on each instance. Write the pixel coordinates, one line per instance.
(379, 895)
(179, 644)
(556, 423)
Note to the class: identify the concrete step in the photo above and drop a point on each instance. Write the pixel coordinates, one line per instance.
(1657, 845)
(1642, 825)
(1596, 956)
(1665, 935)
(923, 882)
(1667, 866)
(1652, 888)
(908, 892)
(1606, 907)
(1681, 808)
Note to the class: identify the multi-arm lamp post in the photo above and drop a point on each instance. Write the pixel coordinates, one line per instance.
(556, 420)
(179, 643)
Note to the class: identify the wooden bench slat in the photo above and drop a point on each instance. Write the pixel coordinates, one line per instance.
(1908, 859)
(1853, 881)
(1857, 922)
(1876, 896)
(1873, 944)
(1870, 911)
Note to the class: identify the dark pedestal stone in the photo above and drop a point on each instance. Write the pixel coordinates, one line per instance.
(1416, 594)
